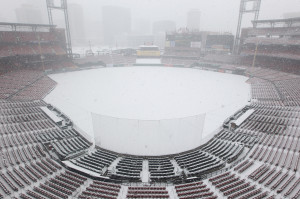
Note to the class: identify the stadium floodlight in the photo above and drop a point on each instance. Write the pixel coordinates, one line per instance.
(62, 6)
(246, 6)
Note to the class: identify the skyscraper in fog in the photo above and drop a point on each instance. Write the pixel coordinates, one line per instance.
(116, 22)
(28, 13)
(76, 19)
(193, 20)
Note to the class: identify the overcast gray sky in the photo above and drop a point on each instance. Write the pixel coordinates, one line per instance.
(217, 15)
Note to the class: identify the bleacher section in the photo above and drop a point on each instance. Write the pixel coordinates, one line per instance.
(194, 190)
(41, 47)
(100, 189)
(15, 81)
(24, 160)
(269, 43)
(106, 60)
(96, 161)
(69, 146)
(18, 43)
(182, 52)
(29, 50)
(260, 158)
(177, 62)
(129, 168)
(30, 140)
(161, 169)
(147, 192)
(272, 88)
(199, 162)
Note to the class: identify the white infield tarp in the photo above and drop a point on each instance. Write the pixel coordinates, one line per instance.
(148, 137)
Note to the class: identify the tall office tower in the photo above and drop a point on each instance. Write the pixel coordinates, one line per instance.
(116, 22)
(28, 13)
(77, 27)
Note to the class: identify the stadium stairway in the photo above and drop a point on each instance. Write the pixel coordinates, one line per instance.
(145, 174)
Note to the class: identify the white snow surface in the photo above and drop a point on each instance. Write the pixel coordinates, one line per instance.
(148, 61)
(149, 93)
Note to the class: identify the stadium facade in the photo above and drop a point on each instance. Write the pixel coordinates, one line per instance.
(256, 154)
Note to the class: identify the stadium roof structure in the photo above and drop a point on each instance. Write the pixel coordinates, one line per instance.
(272, 22)
(25, 25)
(272, 41)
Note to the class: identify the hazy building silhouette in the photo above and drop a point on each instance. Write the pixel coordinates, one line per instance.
(193, 20)
(142, 27)
(93, 32)
(116, 22)
(76, 19)
(28, 13)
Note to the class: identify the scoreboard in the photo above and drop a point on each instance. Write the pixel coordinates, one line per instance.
(204, 41)
(219, 42)
(187, 40)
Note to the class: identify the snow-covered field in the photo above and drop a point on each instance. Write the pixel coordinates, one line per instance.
(149, 93)
(148, 61)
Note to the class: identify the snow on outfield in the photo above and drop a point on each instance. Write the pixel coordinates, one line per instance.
(148, 61)
(149, 93)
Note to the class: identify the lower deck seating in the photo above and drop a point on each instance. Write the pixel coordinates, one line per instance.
(161, 169)
(95, 161)
(13, 83)
(100, 189)
(28, 169)
(194, 190)
(129, 168)
(147, 192)
(232, 186)
(70, 146)
(199, 162)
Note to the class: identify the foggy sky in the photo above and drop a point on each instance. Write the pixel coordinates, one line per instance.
(216, 15)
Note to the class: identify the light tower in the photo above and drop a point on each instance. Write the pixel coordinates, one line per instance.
(62, 6)
(245, 7)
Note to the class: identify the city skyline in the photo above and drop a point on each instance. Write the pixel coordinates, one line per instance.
(217, 15)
